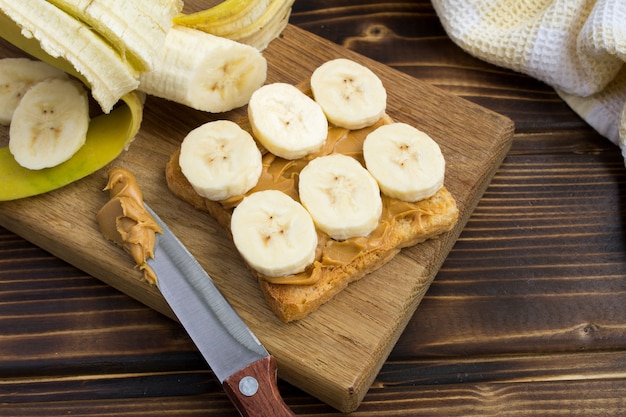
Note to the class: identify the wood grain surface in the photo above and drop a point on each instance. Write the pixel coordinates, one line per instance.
(336, 352)
(525, 318)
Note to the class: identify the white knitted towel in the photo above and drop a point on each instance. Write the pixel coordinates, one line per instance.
(576, 46)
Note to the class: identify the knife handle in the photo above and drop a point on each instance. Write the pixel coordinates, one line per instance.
(254, 391)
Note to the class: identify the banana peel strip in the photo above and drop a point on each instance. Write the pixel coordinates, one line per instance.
(225, 17)
(108, 135)
(252, 22)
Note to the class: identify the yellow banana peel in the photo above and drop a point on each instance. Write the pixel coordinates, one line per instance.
(255, 23)
(267, 27)
(228, 16)
(108, 135)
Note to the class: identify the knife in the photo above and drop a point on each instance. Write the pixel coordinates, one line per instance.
(247, 372)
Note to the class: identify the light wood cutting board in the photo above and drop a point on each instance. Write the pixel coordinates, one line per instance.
(335, 353)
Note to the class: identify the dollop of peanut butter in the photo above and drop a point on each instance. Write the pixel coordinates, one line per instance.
(281, 174)
(125, 221)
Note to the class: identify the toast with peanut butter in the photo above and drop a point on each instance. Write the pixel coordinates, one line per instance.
(337, 262)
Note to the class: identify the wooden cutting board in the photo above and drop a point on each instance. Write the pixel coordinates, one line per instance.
(335, 353)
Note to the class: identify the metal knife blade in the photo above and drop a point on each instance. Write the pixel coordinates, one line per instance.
(238, 359)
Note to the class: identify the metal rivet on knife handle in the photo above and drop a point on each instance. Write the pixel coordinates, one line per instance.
(248, 386)
(266, 402)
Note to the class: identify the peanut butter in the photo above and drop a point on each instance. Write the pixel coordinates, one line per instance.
(281, 174)
(125, 221)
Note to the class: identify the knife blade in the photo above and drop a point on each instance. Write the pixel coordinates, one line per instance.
(247, 372)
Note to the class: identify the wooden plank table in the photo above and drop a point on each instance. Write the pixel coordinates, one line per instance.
(526, 316)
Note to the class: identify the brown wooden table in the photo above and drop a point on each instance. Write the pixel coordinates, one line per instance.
(527, 316)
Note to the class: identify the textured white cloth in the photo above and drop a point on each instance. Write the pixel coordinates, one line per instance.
(576, 46)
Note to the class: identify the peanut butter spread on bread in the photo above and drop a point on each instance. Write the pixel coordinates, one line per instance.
(282, 174)
(125, 221)
(337, 263)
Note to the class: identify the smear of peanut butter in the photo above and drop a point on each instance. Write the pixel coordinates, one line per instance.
(125, 221)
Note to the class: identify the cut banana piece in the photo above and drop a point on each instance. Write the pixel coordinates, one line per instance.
(61, 35)
(17, 75)
(342, 197)
(406, 162)
(274, 233)
(205, 72)
(220, 160)
(286, 121)
(351, 95)
(49, 124)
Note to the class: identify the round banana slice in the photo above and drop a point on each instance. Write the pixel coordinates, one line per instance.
(274, 233)
(350, 94)
(286, 121)
(406, 162)
(342, 197)
(49, 124)
(17, 75)
(220, 160)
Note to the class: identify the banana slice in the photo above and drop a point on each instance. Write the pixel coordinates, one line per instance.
(286, 121)
(274, 233)
(205, 72)
(342, 197)
(17, 75)
(351, 95)
(220, 160)
(406, 162)
(49, 124)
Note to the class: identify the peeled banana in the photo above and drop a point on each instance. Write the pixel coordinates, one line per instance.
(135, 28)
(122, 45)
(109, 44)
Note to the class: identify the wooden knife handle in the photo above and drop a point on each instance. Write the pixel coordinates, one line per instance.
(254, 392)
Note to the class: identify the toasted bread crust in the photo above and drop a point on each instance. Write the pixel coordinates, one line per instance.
(434, 216)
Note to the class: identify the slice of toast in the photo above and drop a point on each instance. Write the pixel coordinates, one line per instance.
(338, 263)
